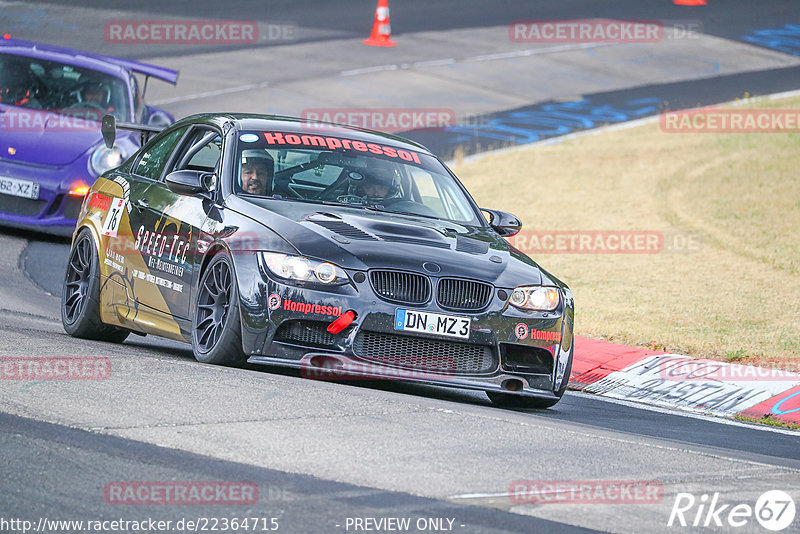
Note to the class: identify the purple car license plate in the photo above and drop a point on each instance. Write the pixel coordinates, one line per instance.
(19, 188)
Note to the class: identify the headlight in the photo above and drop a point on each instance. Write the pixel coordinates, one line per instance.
(535, 298)
(104, 159)
(303, 269)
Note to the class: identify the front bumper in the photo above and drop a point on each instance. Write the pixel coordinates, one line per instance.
(55, 211)
(286, 325)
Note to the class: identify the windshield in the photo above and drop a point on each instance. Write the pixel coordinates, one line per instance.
(325, 170)
(34, 83)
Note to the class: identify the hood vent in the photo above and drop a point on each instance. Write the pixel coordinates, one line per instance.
(344, 229)
(471, 246)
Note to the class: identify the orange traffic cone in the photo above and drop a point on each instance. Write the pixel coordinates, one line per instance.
(381, 29)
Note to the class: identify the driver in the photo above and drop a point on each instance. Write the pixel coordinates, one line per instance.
(95, 93)
(378, 187)
(257, 171)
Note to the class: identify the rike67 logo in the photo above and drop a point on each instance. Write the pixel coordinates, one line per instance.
(774, 510)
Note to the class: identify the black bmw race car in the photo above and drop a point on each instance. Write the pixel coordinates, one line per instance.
(339, 251)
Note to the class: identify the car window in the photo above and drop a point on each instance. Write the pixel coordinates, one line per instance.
(200, 151)
(152, 161)
(348, 172)
(39, 84)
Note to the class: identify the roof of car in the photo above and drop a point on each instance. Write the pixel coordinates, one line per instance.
(99, 62)
(279, 123)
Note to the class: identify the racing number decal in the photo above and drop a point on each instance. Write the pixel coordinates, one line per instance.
(113, 218)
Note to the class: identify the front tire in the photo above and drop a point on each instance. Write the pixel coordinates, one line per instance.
(80, 296)
(216, 325)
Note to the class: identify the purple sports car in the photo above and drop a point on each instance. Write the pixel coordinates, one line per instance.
(51, 151)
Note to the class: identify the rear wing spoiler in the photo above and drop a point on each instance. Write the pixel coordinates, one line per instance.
(109, 125)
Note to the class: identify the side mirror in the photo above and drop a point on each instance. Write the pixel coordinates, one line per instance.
(503, 222)
(108, 127)
(159, 118)
(191, 183)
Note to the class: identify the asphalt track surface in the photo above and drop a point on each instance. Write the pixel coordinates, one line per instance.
(323, 452)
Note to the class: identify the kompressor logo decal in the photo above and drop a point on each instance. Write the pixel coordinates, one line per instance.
(307, 307)
(334, 143)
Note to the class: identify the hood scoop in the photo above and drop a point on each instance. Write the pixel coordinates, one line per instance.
(471, 246)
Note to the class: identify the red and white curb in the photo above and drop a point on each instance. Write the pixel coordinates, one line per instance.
(677, 381)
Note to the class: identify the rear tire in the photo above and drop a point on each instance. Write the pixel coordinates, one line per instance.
(216, 325)
(508, 400)
(80, 296)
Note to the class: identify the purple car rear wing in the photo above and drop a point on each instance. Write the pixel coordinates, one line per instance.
(162, 73)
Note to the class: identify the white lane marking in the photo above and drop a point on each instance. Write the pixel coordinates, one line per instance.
(206, 94)
(482, 57)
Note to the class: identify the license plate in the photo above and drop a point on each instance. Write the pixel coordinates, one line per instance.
(19, 188)
(431, 323)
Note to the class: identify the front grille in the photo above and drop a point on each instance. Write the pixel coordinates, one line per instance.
(308, 333)
(463, 295)
(423, 354)
(401, 287)
(21, 206)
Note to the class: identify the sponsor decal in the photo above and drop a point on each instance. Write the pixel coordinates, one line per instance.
(126, 191)
(274, 301)
(113, 217)
(307, 307)
(521, 330)
(55, 368)
(114, 256)
(334, 143)
(586, 492)
(555, 337)
(168, 246)
(164, 266)
(157, 280)
(100, 201)
(176, 493)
